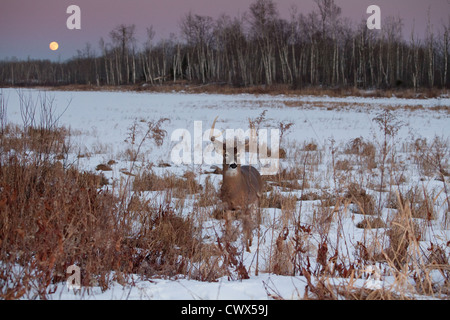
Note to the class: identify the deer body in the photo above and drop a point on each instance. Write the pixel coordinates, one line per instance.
(241, 186)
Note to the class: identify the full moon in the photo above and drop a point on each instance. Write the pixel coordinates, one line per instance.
(54, 46)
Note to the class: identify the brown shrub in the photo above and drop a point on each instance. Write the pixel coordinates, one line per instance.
(52, 218)
(420, 203)
(166, 242)
(150, 181)
(276, 199)
(364, 203)
(400, 234)
(365, 150)
(369, 223)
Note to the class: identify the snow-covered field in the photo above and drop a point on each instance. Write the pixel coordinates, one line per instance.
(101, 120)
(100, 125)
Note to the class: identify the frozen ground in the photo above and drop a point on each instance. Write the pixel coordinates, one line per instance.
(100, 123)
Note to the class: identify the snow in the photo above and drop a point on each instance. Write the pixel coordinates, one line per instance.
(100, 122)
(255, 288)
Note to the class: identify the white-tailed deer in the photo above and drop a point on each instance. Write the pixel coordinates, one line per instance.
(241, 188)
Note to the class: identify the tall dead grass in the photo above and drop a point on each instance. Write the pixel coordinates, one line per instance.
(396, 221)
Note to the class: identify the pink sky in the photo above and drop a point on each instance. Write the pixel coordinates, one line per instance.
(27, 27)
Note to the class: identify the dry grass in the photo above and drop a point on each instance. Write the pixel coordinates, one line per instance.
(149, 181)
(394, 242)
(363, 203)
(276, 89)
(276, 199)
(371, 223)
(51, 218)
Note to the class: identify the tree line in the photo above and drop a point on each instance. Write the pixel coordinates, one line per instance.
(321, 48)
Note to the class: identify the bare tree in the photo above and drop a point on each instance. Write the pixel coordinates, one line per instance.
(263, 17)
(430, 50)
(445, 44)
(123, 39)
(197, 31)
